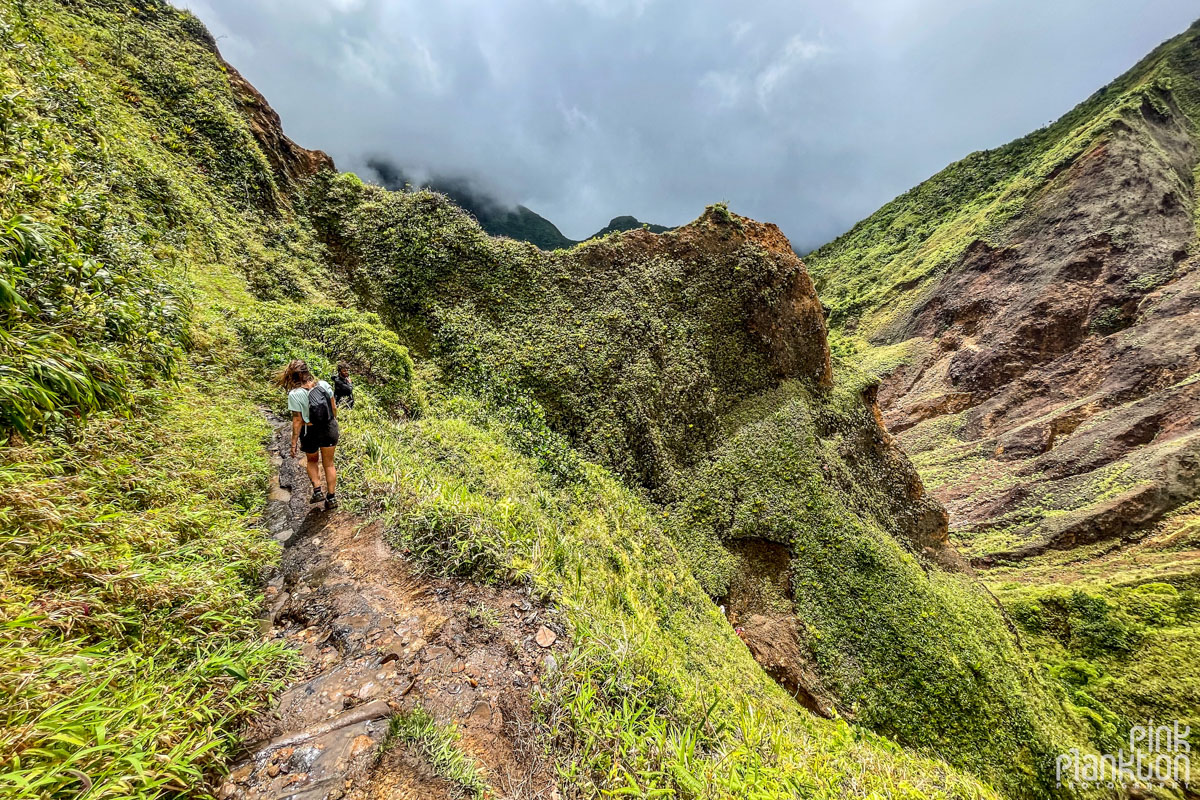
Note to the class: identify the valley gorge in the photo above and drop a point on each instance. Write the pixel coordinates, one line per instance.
(664, 513)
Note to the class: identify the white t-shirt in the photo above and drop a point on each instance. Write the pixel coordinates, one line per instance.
(298, 399)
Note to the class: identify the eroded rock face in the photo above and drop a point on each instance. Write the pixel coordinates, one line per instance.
(778, 302)
(1066, 352)
(684, 325)
(916, 516)
(291, 162)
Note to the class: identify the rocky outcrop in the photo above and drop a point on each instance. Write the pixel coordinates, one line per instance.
(695, 365)
(634, 344)
(779, 305)
(1066, 351)
(291, 162)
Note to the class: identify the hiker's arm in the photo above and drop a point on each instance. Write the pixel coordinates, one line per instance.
(297, 423)
(333, 404)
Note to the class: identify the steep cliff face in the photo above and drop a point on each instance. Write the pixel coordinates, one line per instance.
(633, 345)
(1037, 342)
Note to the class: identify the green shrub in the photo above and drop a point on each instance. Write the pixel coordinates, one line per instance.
(439, 744)
(1097, 627)
(1155, 604)
(275, 333)
(129, 554)
(71, 328)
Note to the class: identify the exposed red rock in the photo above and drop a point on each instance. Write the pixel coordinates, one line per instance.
(1070, 344)
(760, 607)
(291, 162)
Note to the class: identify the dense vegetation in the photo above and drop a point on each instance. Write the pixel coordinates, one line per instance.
(599, 423)
(1116, 628)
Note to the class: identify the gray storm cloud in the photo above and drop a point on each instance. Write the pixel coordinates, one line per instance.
(806, 113)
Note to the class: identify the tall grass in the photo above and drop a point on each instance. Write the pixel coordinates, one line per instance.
(439, 745)
(129, 556)
(128, 566)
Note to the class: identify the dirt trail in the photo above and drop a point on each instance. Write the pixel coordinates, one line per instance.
(379, 639)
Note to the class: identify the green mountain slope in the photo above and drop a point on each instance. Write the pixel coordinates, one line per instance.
(1032, 314)
(627, 223)
(524, 225)
(619, 427)
(873, 274)
(495, 217)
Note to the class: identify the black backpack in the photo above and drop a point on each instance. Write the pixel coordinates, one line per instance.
(319, 412)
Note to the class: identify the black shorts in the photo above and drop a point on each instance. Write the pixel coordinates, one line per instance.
(314, 437)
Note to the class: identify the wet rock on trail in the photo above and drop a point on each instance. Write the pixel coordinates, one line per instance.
(378, 639)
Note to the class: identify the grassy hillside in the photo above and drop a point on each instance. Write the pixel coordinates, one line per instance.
(601, 424)
(1027, 309)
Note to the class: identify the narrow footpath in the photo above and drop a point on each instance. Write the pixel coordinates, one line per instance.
(378, 639)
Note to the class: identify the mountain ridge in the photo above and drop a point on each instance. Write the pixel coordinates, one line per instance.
(497, 217)
(1031, 312)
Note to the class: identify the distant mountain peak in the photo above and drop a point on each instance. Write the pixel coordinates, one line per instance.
(497, 217)
(626, 222)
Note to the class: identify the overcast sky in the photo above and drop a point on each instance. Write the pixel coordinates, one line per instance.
(807, 113)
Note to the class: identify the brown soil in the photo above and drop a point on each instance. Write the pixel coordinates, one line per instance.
(760, 608)
(378, 638)
(1065, 346)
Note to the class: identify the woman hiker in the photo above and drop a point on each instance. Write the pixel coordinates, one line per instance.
(314, 426)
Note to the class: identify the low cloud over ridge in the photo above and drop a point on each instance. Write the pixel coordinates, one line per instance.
(807, 114)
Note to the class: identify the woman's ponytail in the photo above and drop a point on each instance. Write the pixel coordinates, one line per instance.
(294, 375)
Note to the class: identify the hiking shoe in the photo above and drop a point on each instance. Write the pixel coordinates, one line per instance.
(331, 502)
(317, 496)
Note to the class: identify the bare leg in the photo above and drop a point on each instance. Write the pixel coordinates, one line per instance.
(314, 469)
(330, 469)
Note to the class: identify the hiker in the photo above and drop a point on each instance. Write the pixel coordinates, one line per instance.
(314, 426)
(343, 388)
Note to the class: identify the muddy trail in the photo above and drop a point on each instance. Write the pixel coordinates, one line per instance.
(378, 641)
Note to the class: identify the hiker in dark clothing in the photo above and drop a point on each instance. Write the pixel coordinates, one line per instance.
(314, 426)
(343, 388)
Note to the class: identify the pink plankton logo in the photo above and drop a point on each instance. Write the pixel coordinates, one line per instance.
(1158, 755)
